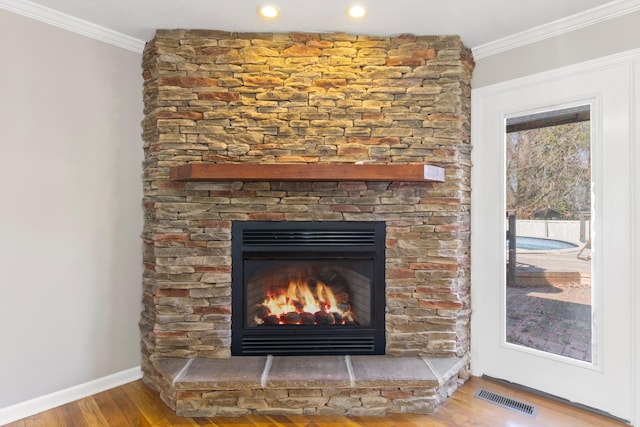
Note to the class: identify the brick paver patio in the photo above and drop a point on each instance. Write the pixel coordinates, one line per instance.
(554, 317)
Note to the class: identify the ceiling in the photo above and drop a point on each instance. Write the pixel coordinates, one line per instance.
(478, 22)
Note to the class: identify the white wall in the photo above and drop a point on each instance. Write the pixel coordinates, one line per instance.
(595, 41)
(70, 216)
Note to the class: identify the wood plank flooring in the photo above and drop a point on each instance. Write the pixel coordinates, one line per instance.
(135, 405)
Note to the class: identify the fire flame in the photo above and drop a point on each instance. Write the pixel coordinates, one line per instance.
(302, 303)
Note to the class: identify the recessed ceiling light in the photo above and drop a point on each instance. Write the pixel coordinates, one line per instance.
(269, 11)
(356, 12)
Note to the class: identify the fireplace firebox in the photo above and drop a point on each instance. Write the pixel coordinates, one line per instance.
(308, 288)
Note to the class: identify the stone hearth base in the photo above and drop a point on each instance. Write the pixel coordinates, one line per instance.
(288, 385)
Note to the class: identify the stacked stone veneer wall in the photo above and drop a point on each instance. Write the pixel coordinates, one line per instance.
(309, 98)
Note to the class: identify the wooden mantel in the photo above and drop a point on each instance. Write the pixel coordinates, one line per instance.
(307, 172)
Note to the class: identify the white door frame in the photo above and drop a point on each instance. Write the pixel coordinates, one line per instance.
(490, 105)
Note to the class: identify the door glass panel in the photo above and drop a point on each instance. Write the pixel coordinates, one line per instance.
(548, 222)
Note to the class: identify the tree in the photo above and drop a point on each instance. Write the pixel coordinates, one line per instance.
(549, 167)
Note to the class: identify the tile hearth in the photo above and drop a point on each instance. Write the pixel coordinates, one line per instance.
(287, 385)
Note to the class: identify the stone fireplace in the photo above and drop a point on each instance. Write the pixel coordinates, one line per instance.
(318, 105)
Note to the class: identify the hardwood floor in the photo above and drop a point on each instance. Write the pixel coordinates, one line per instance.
(136, 405)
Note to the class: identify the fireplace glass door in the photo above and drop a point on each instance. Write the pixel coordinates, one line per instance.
(329, 292)
(308, 288)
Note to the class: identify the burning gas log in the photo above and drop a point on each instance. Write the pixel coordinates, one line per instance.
(324, 318)
(262, 312)
(308, 319)
(271, 320)
(337, 318)
(307, 301)
(291, 318)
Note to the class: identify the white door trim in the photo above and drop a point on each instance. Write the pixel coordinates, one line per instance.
(635, 240)
(486, 160)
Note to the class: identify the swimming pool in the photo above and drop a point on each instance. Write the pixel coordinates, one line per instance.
(540, 244)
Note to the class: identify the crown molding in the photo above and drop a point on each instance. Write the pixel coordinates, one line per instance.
(555, 28)
(70, 23)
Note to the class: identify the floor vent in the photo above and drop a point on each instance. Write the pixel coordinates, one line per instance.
(506, 402)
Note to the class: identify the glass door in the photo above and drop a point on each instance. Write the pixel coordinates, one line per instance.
(570, 334)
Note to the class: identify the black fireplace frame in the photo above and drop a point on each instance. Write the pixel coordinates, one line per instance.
(300, 240)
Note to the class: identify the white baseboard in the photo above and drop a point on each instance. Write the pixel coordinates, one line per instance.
(46, 402)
